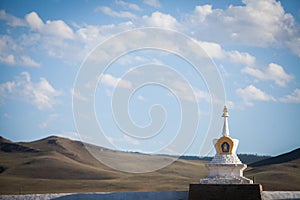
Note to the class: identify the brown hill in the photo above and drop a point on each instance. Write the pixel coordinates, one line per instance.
(278, 173)
(290, 156)
(56, 164)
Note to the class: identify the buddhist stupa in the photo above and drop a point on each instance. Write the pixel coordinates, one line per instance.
(226, 167)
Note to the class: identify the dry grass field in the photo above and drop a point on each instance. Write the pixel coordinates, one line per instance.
(57, 165)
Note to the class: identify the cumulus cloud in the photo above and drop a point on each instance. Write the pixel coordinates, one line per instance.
(51, 118)
(240, 57)
(52, 36)
(127, 5)
(122, 14)
(56, 27)
(27, 61)
(7, 46)
(34, 21)
(202, 11)
(153, 3)
(112, 81)
(9, 59)
(273, 72)
(41, 94)
(77, 95)
(251, 93)
(11, 20)
(11, 54)
(256, 23)
(23, 61)
(292, 98)
(183, 91)
(294, 45)
(215, 50)
(94, 34)
(158, 19)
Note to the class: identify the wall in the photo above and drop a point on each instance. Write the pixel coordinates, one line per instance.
(172, 195)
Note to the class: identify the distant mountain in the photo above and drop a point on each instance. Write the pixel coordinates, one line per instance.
(245, 158)
(250, 158)
(290, 156)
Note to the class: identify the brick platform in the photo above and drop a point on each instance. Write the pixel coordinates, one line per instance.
(225, 191)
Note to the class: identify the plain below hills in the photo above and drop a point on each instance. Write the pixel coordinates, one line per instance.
(59, 165)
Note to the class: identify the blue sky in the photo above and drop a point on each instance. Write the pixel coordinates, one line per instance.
(254, 46)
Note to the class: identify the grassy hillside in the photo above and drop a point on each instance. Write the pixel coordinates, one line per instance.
(280, 172)
(57, 165)
(290, 156)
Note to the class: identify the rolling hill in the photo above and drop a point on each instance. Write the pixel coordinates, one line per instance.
(283, 158)
(56, 165)
(280, 172)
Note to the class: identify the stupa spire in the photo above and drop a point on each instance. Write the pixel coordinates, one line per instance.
(225, 131)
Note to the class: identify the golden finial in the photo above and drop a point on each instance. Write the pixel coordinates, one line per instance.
(225, 112)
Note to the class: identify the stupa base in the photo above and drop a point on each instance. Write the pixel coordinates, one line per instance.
(225, 180)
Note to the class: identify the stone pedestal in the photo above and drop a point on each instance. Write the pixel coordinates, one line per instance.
(225, 191)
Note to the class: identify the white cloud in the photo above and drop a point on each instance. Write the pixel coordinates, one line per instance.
(27, 61)
(50, 119)
(292, 98)
(240, 57)
(9, 59)
(294, 45)
(5, 89)
(11, 20)
(122, 14)
(79, 96)
(51, 37)
(153, 3)
(257, 23)
(251, 93)
(20, 60)
(91, 35)
(34, 21)
(203, 11)
(184, 92)
(273, 72)
(215, 50)
(202, 96)
(131, 6)
(7, 47)
(55, 28)
(158, 19)
(41, 94)
(112, 81)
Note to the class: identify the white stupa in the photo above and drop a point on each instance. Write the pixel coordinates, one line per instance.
(226, 167)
